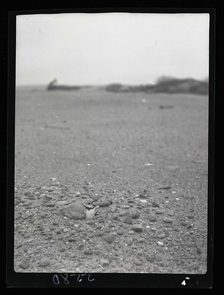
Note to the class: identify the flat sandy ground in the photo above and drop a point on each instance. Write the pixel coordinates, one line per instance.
(144, 153)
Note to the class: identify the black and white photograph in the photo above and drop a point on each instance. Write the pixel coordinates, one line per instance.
(111, 143)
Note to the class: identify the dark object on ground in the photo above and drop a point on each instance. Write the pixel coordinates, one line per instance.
(53, 86)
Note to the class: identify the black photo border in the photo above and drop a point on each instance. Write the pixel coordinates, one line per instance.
(96, 280)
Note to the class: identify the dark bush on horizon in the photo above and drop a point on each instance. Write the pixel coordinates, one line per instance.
(164, 85)
(114, 87)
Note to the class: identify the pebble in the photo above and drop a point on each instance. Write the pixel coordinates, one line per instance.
(47, 188)
(103, 203)
(155, 204)
(160, 211)
(88, 252)
(120, 231)
(131, 201)
(137, 261)
(135, 215)
(160, 243)
(127, 220)
(131, 232)
(98, 233)
(104, 262)
(143, 201)
(158, 257)
(143, 196)
(150, 258)
(170, 213)
(167, 220)
(24, 264)
(109, 238)
(45, 261)
(91, 222)
(31, 197)
(72, 238)
(152, 218)
(61, 203)
(50, 204)
(137, 228)
(123, 206)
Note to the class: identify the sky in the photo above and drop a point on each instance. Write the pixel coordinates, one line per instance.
(103, 48)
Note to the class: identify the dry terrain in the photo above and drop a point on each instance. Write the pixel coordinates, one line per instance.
(142, 158)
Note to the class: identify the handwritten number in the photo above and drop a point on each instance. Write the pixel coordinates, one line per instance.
(90, 280)
(56, 280)
(65, 277)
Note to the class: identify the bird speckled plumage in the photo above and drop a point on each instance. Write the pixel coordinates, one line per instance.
(90, 210)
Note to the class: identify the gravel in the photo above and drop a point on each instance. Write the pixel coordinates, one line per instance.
(165, 203)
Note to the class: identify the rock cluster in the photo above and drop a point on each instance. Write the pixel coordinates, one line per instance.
(52, 231)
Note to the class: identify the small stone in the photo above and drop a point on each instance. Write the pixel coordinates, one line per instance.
(131, 201)
(98, 233)
(27, 203)
(61, 203)
(190, 216)
(184, 223)
(103, 203)
(199, 251)
(128, 220)
(160, 211)
(104, 262)
(24, 264)
(143, 196)
(125, 206)
(143, 201)
(160, 243)
(31, 197)
(90, 222)
(150, 258)
(120, 231)
(80, 246)
(45, 261)
(170, 213)
(123, 213)
(47, 198)
(72, 238)
(47, 188)
(167, 220)
(137, 261)
(50, 204)
(115, 217)
(135, 215)
(137, 228)
(88, 252)
(155, 204)
(109, 238)
(152, 218)
(161, 236)
(158, 257)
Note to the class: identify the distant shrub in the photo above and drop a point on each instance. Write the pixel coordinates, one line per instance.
(173, 85)
(164, 84)
(114, 87)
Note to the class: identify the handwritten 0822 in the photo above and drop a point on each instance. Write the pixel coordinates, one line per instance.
(66, 279)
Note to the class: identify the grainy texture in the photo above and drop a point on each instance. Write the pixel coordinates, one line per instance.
(118, 150)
